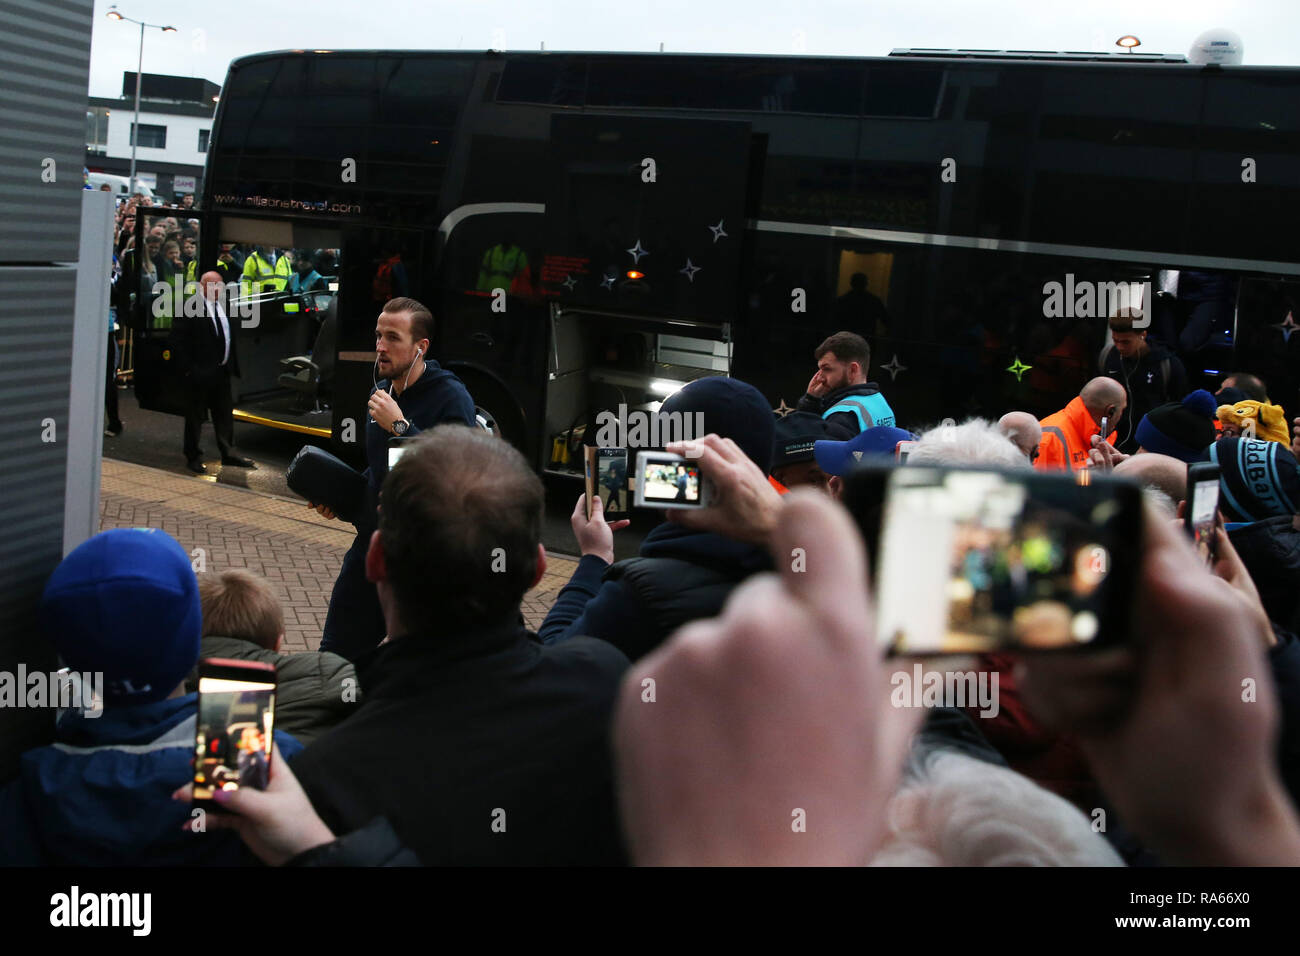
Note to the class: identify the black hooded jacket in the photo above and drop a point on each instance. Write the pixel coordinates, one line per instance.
(680, 576)
(1151, 380)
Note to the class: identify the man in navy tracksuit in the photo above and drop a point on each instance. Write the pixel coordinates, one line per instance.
(839, 393)
(420, 394)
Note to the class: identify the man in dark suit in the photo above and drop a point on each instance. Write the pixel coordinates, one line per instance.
(209, 356)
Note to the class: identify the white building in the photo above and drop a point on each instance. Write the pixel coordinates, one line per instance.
(175, 124)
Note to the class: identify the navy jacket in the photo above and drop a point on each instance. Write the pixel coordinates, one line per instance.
(100, 795)
(437, 397)
(1149, 381)
(689, 575)
(1270, 550)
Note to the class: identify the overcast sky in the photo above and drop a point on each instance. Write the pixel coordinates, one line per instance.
(209, 36)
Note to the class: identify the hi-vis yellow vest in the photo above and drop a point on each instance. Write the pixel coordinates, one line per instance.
(260, 276)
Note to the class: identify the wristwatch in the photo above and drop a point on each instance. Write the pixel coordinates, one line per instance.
(400, 426)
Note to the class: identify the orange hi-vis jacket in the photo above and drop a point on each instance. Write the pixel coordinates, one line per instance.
(1067, 438)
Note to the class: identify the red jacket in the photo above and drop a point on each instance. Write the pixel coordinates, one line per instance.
(1053, 761)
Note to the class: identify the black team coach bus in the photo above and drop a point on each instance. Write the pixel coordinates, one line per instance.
(593, 230)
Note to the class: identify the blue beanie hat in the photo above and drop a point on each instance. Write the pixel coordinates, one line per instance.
(1258, 479)
(126, 603)
(1182, 430)
(841, 457)
(731, 408)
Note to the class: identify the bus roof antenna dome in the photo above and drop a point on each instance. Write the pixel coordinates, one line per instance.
(1219, 45)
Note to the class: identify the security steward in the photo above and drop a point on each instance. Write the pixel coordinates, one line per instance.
(413, 393)
(1067, 434)
(839, 392)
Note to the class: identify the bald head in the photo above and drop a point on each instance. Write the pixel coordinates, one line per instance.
(1023, 430)
(1156, 471)
(1103, 396)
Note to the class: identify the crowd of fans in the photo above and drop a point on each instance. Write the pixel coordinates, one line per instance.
(711, 700)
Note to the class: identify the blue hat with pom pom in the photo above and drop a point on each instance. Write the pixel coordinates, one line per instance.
(126, 603)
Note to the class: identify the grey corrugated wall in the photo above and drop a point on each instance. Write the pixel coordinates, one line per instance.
(44, 76)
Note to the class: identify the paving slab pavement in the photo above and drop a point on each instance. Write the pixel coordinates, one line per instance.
(297, 550)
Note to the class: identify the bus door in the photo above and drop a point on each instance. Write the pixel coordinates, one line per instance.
(280, 278)
(151, 293)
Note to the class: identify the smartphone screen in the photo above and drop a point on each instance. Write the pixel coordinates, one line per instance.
(396, 449)
(611, 479)
(972, 561)
(902, 450)
(669, 478)
(233, 735)
(1202, 517)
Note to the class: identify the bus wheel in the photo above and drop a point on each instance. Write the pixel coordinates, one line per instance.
(494, 411)
(487, 421)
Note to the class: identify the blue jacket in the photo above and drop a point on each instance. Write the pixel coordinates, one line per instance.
(635, 611)
(854, 408)
(100, 795)
(437, 397)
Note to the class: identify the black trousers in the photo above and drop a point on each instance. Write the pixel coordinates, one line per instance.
(210, 392)
(110, 388)
(354, 624)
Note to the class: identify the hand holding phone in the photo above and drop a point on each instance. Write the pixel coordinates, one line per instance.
(234, 730)
(606, 478)
(977, 560)
(1201, 514)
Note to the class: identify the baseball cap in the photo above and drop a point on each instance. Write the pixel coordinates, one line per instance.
(841, 457)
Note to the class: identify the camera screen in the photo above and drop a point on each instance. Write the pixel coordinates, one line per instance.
(670, 479)
(611, 481)
(232, 747)
(1205, 506)
(973, 561)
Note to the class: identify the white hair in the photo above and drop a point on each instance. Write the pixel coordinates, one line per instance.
(975, 441)
(1161, 500)
(955, 810)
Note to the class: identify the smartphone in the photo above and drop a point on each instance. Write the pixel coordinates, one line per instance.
(606, 475)
(1105, 426)
(396, 449)
(670, 481)
(1202, 512)
(233, 733)
(973, 560)
(902, 450)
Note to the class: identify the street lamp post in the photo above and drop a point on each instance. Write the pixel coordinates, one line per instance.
(139, 70)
